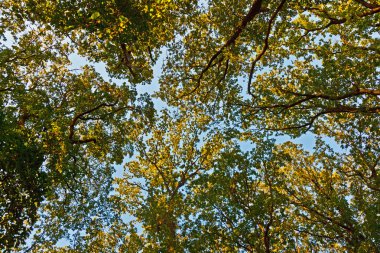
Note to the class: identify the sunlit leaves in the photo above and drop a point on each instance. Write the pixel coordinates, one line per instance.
(203, 176)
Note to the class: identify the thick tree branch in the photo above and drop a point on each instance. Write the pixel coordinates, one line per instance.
(366, 4)
(5, 89)
(253, 11)
(126, 58)
(329, 110)
(151, 55)
(333, 21)
(371, 12)
(307, 97)
(266, 45)
(359, 91)
(78, 117)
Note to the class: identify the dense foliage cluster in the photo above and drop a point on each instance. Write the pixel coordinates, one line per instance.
(204, 167)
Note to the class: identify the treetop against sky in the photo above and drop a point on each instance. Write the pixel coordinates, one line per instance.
(224, 73)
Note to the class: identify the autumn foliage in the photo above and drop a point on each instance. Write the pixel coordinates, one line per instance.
(99, 161)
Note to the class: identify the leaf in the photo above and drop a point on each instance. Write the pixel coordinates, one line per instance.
(95, 15)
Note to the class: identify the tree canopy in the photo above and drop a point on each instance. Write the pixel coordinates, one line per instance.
(204, 169)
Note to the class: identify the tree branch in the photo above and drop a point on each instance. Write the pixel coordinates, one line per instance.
(366, 4)
(78, 117)
(5, 89)
(266, 45)
(151, 55)
(126, 59)
(357, 92)
(371, 12)
(340, 109)
(254, 10)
